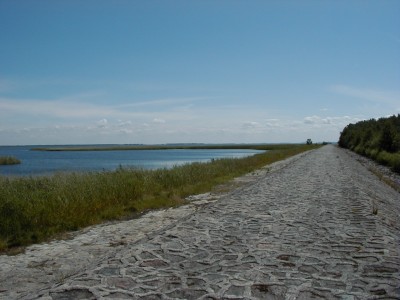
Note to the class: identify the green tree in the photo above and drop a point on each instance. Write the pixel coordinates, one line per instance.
(377, 139)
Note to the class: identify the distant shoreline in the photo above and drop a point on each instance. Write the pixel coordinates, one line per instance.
(88, 160)
(162, 147)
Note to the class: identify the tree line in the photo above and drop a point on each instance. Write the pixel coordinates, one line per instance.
(377, 139)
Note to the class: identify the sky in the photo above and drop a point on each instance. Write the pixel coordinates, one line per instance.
(153, 72)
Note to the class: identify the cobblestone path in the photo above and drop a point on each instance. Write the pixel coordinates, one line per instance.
(323, 227)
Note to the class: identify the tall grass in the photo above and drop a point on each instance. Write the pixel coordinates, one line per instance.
(37, 208)
(9, 160)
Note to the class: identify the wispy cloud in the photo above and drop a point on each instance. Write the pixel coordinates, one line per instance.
(163, 102)
(250, 125)
(158, 121)
(330, 121)
(76, 107)
(317, 120)
(55, 108)
(223, 129)
(273, 123)
(69, 121)
(380, 96)
(103, 123)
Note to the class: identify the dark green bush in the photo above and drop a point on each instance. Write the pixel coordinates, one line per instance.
(377, 139)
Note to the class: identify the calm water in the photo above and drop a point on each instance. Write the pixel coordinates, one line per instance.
(46, 163)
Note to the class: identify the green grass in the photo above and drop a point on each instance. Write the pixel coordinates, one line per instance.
(9, 160)
(389, 159)
(38, 208)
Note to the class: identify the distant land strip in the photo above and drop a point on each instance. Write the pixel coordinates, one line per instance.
(166, 147)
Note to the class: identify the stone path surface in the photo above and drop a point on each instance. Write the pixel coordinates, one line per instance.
(319, 227)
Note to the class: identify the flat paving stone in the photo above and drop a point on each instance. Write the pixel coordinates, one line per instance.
(317, 226)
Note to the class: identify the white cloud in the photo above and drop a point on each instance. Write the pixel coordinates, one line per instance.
(103, 123)
(312, 120)
(250, 125)
(82, 122)
(124, 123)
(330, 121)
(273, 123)
(224, 131)
(158, 121)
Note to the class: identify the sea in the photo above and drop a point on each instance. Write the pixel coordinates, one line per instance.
(44, 163)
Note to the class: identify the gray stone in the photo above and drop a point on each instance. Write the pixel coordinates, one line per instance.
(74, 294)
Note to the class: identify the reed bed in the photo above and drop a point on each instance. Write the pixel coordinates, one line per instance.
(36, 209)
(9, 160)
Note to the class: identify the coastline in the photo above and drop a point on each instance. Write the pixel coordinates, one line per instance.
(159, 147)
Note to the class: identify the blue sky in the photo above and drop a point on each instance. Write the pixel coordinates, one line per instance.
(74, 72)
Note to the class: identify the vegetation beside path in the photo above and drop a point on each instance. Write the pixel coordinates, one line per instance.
(38, 208)
(376, 139)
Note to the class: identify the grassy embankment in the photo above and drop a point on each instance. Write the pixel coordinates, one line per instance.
(38, 208)
(9, 160)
